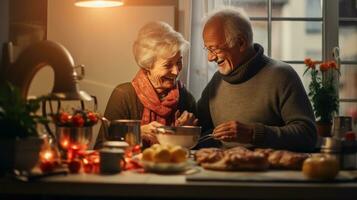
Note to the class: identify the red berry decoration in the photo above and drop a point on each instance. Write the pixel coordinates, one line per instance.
(47, 167)
(136, 149)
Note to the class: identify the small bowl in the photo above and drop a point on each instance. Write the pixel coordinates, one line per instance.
(185, 136)
(164, 167)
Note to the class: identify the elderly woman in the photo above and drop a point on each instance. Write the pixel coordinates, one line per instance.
(154, 95)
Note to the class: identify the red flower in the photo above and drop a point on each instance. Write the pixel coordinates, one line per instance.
(324, 66)
(308, 62)
(332, 64)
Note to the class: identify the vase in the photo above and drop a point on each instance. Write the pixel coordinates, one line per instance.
(324, 129)
(19, 154)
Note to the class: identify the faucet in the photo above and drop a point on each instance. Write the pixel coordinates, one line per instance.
(38, 55)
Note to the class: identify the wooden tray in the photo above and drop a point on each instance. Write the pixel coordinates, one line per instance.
(268, 176)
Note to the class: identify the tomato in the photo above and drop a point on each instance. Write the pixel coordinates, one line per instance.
(78, 120)
(322, 167)
(92, 117)
(64, 118)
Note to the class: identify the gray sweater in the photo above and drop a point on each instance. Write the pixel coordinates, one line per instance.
(267, 94)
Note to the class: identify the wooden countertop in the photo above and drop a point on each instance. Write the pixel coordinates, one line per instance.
(148, 185)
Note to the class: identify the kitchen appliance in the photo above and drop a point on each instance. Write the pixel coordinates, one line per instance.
(66, 77)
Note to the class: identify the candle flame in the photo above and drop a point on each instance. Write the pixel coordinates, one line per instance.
(48, 155)
(65, 144)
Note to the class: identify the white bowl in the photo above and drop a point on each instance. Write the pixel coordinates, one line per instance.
(164, 167)
(185, 136)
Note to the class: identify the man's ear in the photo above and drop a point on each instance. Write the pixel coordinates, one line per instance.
(242, 44)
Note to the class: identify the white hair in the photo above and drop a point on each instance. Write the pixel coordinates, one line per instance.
(235, 22)
(157, 39)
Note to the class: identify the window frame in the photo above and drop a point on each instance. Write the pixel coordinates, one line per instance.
(330, 33)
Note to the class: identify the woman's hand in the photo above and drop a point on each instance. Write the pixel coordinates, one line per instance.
(148, 132)
(185, 119)
(234, 131)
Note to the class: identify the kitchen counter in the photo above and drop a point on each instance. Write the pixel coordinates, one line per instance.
(154, 186)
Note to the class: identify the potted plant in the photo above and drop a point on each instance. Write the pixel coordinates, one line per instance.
(323, 93)
(20, 143)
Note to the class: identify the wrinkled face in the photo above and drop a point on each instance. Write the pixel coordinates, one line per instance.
(164, 72)
(217, 48)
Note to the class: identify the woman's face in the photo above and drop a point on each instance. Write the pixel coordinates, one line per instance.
(164, 72)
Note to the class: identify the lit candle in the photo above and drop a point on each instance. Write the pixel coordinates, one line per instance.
(87, 165)
(47, 159)
(47, 155)
(65, 144)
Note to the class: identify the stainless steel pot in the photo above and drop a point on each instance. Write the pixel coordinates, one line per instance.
(74, 136)
(127, 130)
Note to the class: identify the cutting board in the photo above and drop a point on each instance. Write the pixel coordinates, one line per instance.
(268, 176)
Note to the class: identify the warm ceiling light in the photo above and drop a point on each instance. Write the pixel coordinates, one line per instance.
(98, 3)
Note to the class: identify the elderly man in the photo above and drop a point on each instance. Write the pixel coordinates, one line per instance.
(252, 100)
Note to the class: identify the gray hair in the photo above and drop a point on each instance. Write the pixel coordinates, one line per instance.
(235, 22)
(157, 39)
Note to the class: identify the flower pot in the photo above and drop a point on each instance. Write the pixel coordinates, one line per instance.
(19, 154)
(324, 129)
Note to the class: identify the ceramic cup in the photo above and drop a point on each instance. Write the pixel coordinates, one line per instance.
(110, 160)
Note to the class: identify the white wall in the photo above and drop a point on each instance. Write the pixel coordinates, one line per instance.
(101, 39)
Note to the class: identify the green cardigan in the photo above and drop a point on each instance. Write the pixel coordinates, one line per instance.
(125, 104)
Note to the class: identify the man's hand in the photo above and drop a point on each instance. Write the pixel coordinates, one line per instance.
(148, 132)
(185, 119)
(234, 131)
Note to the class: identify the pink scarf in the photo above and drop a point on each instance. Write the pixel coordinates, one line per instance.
(154, 109)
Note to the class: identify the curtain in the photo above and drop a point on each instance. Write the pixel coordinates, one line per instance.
(200, 70)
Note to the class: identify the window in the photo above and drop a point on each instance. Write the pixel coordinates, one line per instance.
(347, 38)
(291, 30)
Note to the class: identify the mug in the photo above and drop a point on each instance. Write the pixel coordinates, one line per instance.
(110, 160)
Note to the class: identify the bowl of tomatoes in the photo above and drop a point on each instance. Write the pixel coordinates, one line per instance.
(74, 130)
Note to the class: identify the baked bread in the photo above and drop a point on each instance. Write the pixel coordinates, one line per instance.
(240, 158)
(208, 155)
(233, 161)
(286, 160)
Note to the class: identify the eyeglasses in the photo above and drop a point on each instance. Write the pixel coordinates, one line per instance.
(215, 51)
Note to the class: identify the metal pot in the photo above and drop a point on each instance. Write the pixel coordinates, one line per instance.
(74, 136)
(127, 130)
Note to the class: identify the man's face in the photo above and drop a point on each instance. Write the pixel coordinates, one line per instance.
(217, 48)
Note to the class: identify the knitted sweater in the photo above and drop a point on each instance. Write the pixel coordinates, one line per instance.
(267, 94)
(125, 104)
